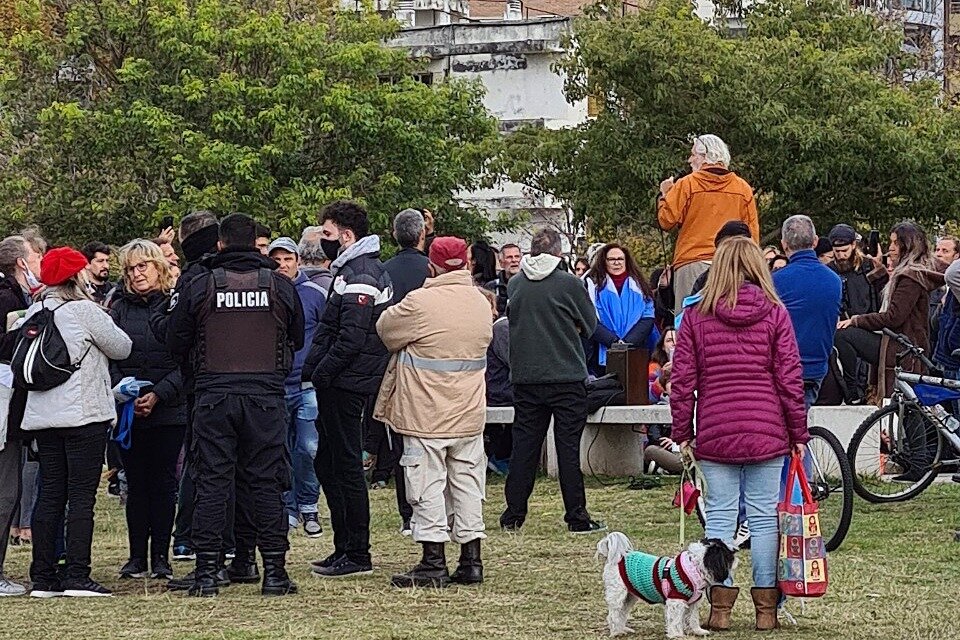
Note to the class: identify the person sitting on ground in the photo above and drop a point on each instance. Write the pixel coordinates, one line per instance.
(623, 301)
(433, 395)
(661, 363)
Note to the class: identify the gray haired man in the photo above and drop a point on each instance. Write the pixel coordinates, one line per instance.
(314, 262)
(549, 314)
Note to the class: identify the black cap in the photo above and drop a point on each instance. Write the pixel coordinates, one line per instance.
(732, 229)
(823, 246)
(842, 235)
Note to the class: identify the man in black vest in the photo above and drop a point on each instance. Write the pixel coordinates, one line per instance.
(239, 327)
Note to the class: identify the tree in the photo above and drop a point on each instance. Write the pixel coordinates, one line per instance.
(116, 113)
(809, 96)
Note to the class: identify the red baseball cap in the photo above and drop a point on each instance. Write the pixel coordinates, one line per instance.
(448, 252)
(60, 264)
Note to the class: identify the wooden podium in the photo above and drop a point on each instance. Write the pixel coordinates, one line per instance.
(631, 367)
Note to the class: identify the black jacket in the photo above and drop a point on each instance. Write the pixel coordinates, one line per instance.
(862, 288)
(12, 298)
(499, 286)
(161, 308)
(149, 360)
(347, 352)
(408, 270)
(182, 329)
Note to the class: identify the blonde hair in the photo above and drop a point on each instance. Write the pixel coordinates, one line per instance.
(738, 260)
(141, 250)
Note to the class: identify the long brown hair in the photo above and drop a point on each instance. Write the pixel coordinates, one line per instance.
(598, 270)
(738, 260)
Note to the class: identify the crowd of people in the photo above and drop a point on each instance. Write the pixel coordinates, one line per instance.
(230, 393)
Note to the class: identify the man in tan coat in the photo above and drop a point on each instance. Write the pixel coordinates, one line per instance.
(433, 394)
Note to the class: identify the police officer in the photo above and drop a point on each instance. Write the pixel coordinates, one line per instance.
(239, 326)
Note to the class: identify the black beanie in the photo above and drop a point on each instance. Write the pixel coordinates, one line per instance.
(201, 242)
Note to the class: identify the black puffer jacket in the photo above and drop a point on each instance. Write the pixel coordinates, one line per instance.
(347, 352)
(149, 360)
(12, 298)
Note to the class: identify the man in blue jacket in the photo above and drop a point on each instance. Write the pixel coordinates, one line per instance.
(812, 294)
(301, 396)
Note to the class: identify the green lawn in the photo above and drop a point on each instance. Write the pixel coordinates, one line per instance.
(896, 577)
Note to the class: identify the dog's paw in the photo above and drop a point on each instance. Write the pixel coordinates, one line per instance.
(699, 632)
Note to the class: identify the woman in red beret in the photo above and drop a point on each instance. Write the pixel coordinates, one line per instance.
(70, 424)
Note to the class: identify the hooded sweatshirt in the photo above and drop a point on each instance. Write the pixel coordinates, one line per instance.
(739, 372)
(549, 311)
(700, 204)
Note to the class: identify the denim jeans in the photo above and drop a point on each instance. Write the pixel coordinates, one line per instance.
(303, 441)
(760, 484)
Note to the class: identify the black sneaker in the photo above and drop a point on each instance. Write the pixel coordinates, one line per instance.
(183, 553)
(135, 568)
(586, 528)
(161, 569)
(327, 562)
(311, 525)
(85, 589)
(511, 527)
(344, 568)
(46, 590)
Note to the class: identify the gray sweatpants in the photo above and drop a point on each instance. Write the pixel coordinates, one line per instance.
(10, 462)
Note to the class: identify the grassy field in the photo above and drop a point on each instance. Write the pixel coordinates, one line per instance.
(896, 577)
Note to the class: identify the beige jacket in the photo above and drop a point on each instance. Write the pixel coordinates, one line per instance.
(434, 386)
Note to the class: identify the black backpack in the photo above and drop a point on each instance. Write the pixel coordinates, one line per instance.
(41, 361)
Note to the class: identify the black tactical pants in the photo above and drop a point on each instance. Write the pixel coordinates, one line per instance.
(242, 437)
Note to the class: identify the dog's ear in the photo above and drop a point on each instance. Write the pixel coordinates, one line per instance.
(718, 559)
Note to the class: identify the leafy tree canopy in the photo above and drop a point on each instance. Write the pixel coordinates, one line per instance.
(114, 113)
(810, 97)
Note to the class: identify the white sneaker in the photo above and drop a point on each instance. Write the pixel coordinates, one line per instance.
(742, 534)
(10, 588)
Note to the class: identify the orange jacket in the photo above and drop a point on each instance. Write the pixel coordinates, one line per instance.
(700, 204)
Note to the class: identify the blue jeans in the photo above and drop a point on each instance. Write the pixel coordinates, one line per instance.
(760, 485)
(303, 441)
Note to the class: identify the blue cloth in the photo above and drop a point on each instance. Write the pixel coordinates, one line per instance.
(126, 392)
(812, 294)
(313, 299)
(303, 442)
(948, 333)
(688, 302)
(620, 311)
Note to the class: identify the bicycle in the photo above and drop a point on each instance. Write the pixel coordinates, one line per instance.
(831, 484)
(896, 453)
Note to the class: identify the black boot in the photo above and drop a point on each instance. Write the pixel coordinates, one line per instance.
(470, 569)
(276, 582)
(243, 568)
(186, 582)
(205, 577)
(431, 572)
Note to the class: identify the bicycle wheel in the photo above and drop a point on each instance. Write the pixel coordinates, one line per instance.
(831, 482)
(893, 459)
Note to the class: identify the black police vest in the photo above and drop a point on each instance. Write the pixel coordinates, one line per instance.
(242, 325)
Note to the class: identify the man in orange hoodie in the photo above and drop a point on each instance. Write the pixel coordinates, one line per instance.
(700, 204)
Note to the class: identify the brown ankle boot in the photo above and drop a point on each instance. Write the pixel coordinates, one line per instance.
(721, 604)
(765, 601)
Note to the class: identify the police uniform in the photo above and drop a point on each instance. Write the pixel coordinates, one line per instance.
(239, 327)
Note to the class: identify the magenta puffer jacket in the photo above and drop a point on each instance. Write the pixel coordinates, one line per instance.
(744, 365)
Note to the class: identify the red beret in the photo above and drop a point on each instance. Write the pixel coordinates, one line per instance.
(448, 252)
(60, 264)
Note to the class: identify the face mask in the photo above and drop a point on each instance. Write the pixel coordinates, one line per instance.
(32, 282)
(330, 247)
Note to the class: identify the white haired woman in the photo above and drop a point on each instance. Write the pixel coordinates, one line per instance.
(70, 424)
(160, 414)
(700, 204)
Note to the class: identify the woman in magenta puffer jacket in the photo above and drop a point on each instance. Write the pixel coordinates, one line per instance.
(737, 365)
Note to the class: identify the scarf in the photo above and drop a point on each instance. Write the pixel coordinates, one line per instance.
(619, 312)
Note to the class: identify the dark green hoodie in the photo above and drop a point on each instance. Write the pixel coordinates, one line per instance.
(549, 312)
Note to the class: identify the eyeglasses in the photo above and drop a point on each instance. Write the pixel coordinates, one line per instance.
(140, 267)
(616, 259)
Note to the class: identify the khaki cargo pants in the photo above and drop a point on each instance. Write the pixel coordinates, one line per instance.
(446, 485)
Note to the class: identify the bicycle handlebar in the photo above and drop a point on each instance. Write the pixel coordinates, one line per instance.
(909, 347)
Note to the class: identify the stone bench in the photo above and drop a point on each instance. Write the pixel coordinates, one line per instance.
(612, 439)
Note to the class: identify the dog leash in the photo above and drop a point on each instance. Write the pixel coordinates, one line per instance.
(690, 466)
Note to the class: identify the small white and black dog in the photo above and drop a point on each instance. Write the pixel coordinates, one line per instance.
(678, 583)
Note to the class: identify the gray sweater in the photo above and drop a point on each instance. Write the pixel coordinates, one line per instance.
(86, 397)
(549, 312)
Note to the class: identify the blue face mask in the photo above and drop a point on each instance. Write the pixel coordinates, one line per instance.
(31, 279)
